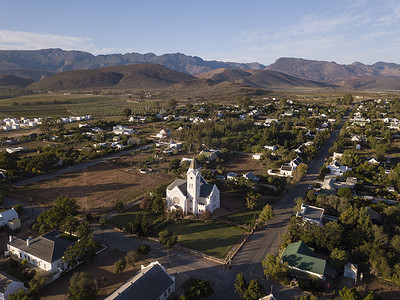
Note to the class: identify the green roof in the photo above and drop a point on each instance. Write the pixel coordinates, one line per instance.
(301, 256)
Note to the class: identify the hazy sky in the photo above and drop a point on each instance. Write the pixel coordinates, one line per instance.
(244, 31)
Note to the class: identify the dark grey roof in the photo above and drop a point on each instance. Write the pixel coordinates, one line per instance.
(48, 247)
(150, 283)
(180, 183)
(312, 212)
(5, 281)
(205, 190)
(286, 168)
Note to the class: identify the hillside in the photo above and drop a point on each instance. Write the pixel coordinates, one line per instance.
(370, 83)
(57, 60)
(325, 71)
(264, 79)
(9, 81)
(140, 76)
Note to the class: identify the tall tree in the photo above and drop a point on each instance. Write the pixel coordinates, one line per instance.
(81, 286)
(266, 214)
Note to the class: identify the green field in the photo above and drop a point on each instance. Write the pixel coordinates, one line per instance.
(122, 219)
(244, 216)
(214, 239)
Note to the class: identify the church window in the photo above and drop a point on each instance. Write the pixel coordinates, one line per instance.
(190, 185)
(176, 200)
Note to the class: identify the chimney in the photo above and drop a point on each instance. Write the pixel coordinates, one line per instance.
(10, 238)
(28, 241)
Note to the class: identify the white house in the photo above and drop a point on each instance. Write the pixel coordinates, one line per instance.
(193, 195)
(271, 148)
(286, 170)
(337, 169)
(311, 214)
(119, 129)
(231, 175)
(257, 156)
(7, 216)
(372, 160)
(9, 285)
(251, 176)
(45, 251)
(151, 283)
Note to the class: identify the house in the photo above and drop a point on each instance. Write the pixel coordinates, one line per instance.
(151, 283)
(373, 161)
(350, 270)
(193, 195)
(271, 148)
(337, 169)
(15, 149)
(300, 258)
(210, 155)
(268, 122)
(9, 285)
(119, 130)
(286, 170)
(45, 251)
(231, 175)
(164, 133)
(337, 155)
(296, 162)
(14, 224)
(251, 176)
(268, 297)
(7, 216)
(311, 214)
(257, 156)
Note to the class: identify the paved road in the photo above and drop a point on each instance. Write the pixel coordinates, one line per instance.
(76, 167)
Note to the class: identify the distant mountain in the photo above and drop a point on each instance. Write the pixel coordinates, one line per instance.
(9, 81)
(265, 79)
(57, 60)
(370, 83)
(325, 71)
(139, 76)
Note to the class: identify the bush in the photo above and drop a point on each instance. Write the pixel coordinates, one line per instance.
(119, 266)
(18, 208)
(143, 249)
(131, 257)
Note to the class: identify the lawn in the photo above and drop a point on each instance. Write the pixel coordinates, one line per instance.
(245, 215)
(214, 239)
(122, 219)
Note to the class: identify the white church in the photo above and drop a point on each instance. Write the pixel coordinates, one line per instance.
(193, 195)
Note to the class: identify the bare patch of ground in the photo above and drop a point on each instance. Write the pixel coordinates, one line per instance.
(96, 188)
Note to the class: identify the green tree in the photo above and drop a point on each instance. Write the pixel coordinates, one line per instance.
(69, 224)
(83, 229)
(266, 214)
(20, 295)
(18, 208)
(348, 99)
(119, 266)
(196, 288)
(254, 291)
(82, 287)
(299, 172)
(252, 199)
(83, 250)
(119, 205)
(172, 103)
(127, 112)
(338, 258)
(275, 269)
(158, 205)
(240, 284)
(345, 192)
(167, 238)
(349, 294)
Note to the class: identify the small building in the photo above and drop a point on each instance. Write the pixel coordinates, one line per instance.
(311, 214)
(151, 283)
(210, 155)
(372, 160)
(7, 216)
(9, 285)
(286, 170)
(270, 148)
(300, 258)
(257, 156)
(45, 251)
(14, 224)
(231, 175)
(251, 176)
(350, 270)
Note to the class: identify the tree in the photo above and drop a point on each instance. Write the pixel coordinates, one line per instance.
(18, 208)
(172, 103)
(83, 229)
(196, 288)
(206, 215)
(131, 257)
(348, 99)
(167, 238)
(254, 291)
(119, 205)
(299, 172)
(345, 192)
(81, 286)
(158, 205)
(69, 224)
(240, 284)
(349, 294)
(119, 266)
(143, 249)
(252, 199)
(83, 250)
(127, 112)
(275, 269)
(266, 214)
(338, 258)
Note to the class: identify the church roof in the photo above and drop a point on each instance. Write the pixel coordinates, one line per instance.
(205, 190)
(180, 183)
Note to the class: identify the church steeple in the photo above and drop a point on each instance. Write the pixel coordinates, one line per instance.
(193, 185)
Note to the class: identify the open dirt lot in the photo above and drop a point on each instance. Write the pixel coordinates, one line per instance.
(96, 188)
(241, 164)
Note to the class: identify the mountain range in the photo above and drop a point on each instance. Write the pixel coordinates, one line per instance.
(38, 64)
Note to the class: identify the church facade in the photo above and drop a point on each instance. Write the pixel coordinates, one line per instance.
(193, 195)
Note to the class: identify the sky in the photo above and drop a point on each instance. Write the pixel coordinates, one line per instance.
(261, 31)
